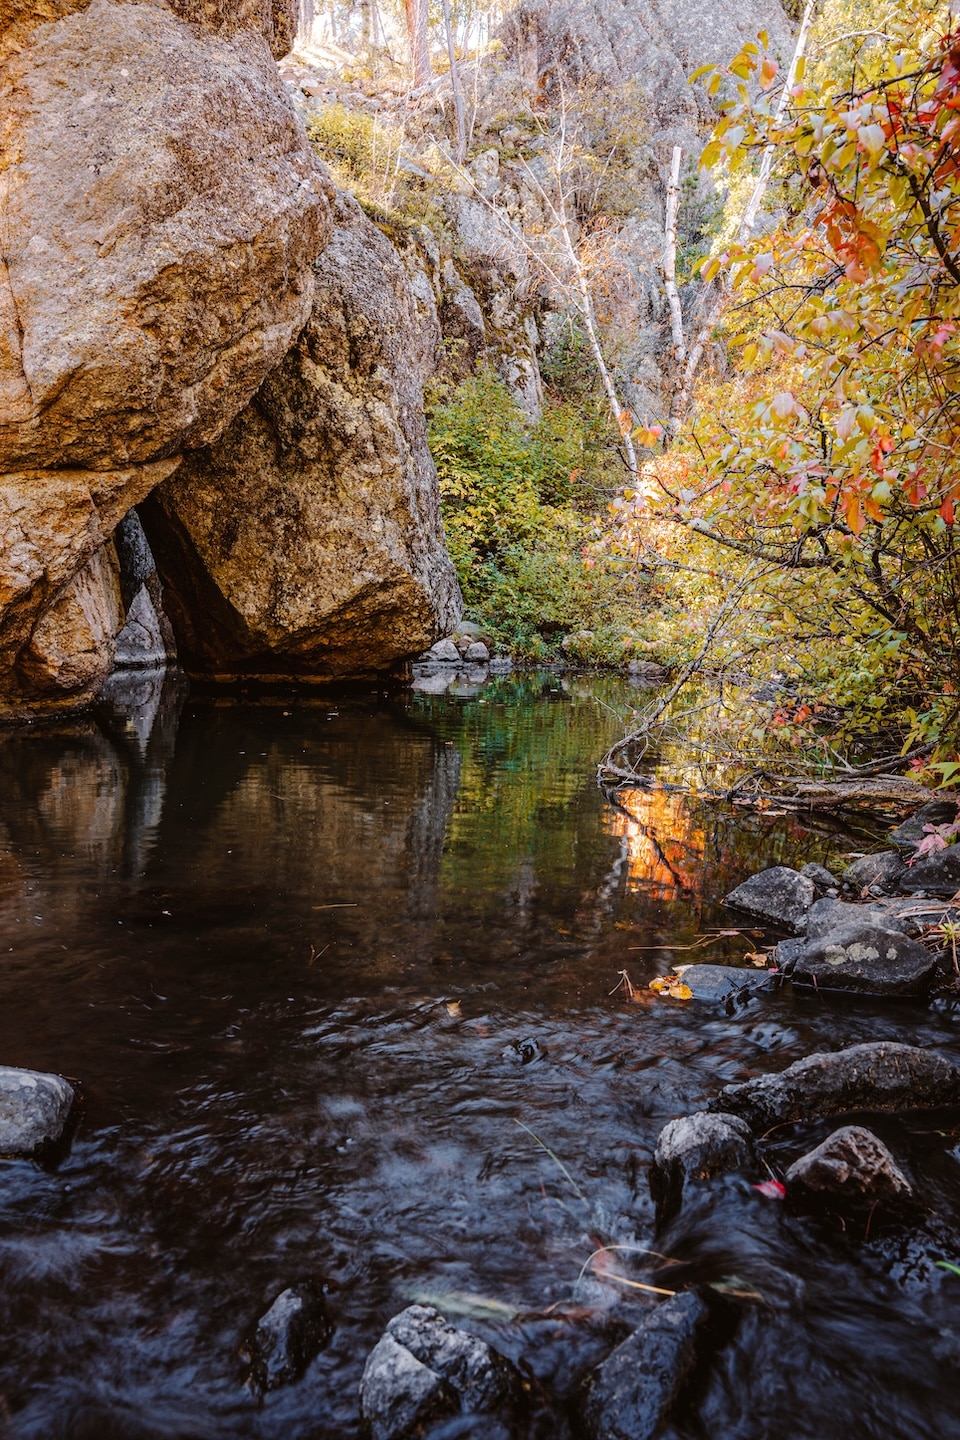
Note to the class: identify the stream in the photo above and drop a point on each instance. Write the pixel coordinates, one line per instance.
(312, 960)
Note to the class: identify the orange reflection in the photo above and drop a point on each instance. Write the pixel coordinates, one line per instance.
(665, 845)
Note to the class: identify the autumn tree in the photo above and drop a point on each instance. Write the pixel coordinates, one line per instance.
(829, 458)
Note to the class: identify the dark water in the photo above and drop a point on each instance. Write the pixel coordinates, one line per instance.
(312, 961)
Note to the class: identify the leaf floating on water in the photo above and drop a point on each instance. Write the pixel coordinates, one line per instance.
(773, 1189)
(672, 987)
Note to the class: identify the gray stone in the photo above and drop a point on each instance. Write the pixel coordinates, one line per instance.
(914, 915)
(852, 1165)
(723, 982)
(935, 874)
(910, 832)
(879, 1075)
(880, 872)
(867, 958)
(477, 653)
(501, 665)
(424, 1369)
(828, 915)
(786, 954)
(34, 1110)
(694, 1149)
(287, 1337)
(779, 894)
(399, 1396)
(823, 878)
(445, 651)
(630, 1396)
(648, 672)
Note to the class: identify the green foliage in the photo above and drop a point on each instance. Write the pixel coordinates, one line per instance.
(518, 505)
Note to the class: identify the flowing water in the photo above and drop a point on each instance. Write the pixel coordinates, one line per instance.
(312, 960)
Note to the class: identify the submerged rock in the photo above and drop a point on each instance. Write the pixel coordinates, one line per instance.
(630, 1396)
(867, 958)
(852, 1165)
(780, 895)
(881, 872)
(288, 1336)
(880, 1075)
(722, 982)
(694, 1149)
(424, 1369)
(35, 1109)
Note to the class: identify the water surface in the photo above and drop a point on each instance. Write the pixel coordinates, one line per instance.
(311, 961)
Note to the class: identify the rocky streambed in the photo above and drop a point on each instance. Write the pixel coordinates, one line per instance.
(340, 1099)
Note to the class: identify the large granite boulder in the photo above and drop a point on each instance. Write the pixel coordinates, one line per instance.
(161, 212)
(308, 539)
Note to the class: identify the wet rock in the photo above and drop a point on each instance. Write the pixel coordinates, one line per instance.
(910, 832)
(827, 916)
(288, 1336)
(779, 894)
(723, 982)
(445, 651)
(501, 665)
(935, 874)
(786, 954)
(881, 1075)
(630, 1396)
(694, 1149)
(823, 878)
(477, 653)
(648, 672)
(868, 958)
(880, 872)
(913, 915)
(399, 1396)
(34, 1111)
(424, 1369)
(852, 1165)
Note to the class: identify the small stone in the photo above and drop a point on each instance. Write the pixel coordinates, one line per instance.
(881, 872)
(722, 982)
(852, 1164)
(935, 874)
(399, 1396)
(694, 1149)
(779, 894)
(288, 1336)
(866, 958)
(630, 1396)
(823, 878)
(880, 1075)
(445, 651)
(786, 954)
(34, 1110)
(477, 653)
(424, 1369)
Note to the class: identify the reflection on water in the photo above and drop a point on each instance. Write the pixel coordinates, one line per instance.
(311, 960)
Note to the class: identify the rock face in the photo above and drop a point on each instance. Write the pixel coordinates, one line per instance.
(34, 1111)
(694, 1149)
(287, 1337)
(424, 1370)
(851, 1165)
(157, 180)
(308, 539)
(881, 1076)
(630, 1396)
(779, 894)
